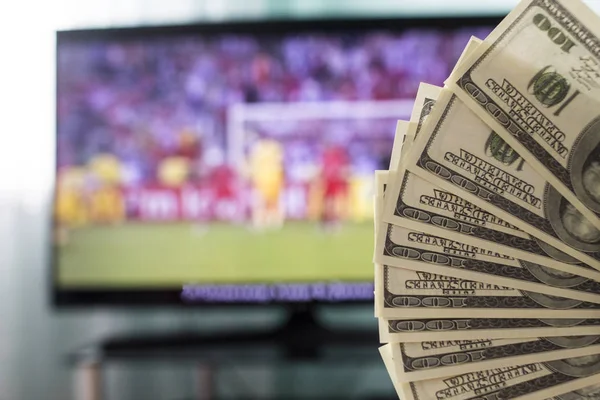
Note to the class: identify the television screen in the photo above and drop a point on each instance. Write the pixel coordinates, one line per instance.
(216, 165)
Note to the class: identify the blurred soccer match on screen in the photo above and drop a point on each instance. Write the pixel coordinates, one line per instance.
(186, 158)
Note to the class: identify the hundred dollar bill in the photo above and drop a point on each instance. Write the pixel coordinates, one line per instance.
(424, 103)
(459, 153)
(536, 81)
(402, 293)
(571, 378)
(397, 246)
(436, 329)
(430, 360)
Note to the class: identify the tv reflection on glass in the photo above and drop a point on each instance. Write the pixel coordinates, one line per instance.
(232, 163)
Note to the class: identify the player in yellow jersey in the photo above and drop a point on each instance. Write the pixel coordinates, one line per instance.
(174, 171)
(106, 204)
(265, 167)
(69, 206)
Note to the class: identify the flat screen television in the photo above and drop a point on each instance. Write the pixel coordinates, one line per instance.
(232, 163)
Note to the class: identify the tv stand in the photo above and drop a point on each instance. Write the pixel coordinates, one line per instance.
(301, 336)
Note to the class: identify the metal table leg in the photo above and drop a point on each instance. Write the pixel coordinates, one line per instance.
(88, 381)
(205, 386)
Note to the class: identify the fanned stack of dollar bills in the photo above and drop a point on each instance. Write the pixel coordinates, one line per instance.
(487, 232)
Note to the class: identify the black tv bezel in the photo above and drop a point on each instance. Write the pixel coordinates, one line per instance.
(137, 297)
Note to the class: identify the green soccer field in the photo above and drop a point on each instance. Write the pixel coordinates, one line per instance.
(173, 254)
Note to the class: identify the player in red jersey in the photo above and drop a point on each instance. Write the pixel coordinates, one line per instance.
(334, 176)
(224, 183)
